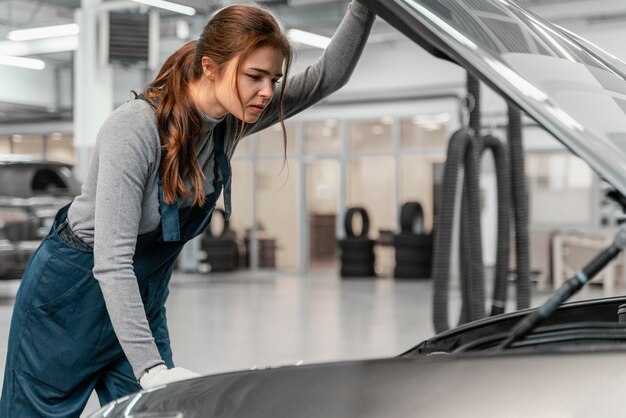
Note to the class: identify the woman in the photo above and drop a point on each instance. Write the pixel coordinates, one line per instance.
(90, 311)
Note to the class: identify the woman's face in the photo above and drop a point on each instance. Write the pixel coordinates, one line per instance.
(258, 77)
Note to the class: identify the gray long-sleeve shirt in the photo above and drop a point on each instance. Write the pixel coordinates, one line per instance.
(119, 197)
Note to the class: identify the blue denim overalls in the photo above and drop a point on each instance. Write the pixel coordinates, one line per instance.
(61, 343)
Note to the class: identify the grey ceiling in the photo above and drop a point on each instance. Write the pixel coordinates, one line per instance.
(320, 15)
(16, 14)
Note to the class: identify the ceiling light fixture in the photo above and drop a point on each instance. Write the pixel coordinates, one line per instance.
(22, 62)
(43, 32)
(168, 5)
(39, 46)
(308, 38)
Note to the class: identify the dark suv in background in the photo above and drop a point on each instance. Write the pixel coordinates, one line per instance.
(31, 191)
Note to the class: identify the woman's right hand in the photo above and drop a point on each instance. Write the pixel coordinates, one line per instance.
(161, 375)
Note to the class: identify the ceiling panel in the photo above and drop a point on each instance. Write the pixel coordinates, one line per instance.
(321, 16)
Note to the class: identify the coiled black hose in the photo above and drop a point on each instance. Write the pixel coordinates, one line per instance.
(471, 251)
(461, 149)
(520, 206)
(500, 156)
(467, 146)
(473, 90)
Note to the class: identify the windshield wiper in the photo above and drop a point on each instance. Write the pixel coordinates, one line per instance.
(571, 286)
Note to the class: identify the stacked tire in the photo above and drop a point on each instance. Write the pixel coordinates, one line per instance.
(414, 248)
(220, 251)
(357, 251)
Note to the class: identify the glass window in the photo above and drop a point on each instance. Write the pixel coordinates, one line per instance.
(322, 137)
(560, 188)
(323, 179)
(278, 215)
(28, 145)
(370, 185)
(425, 132)
(271, 141)
(371, 135)
(60, 148)
(241, 199)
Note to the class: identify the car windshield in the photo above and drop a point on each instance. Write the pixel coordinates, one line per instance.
(573, 88)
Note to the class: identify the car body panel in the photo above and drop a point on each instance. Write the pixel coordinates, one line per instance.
(537, 385)
(521, 383)
(27, 178)
(31, 193)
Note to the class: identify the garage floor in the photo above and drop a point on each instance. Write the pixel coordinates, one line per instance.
(237, 321)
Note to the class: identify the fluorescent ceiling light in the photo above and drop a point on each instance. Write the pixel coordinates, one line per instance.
(39, 46)
(30, 63)
(308, 38)
(168, 5)
(43, 32)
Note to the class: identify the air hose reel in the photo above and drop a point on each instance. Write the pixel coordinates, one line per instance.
(465, 150)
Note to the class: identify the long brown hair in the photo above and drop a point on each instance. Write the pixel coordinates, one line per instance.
(234, 32)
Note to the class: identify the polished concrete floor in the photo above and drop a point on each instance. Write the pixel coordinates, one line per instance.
(243, 320)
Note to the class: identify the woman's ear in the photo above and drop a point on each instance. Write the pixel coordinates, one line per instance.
(209, 68)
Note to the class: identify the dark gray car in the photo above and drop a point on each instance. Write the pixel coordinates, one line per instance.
(31, 192)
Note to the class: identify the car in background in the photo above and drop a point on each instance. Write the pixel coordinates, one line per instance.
(568, 365)
(31, 192)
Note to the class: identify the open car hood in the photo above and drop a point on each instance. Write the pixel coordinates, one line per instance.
(575, 90)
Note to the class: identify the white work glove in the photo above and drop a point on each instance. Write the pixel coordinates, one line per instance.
(161, 375)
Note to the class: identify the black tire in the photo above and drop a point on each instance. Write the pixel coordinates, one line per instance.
(348, 222)
(358, 258)
(356, 244)
(222, 254)
(218, 245)
(411, 273)
(410, 240)
(363, 248)
(412, 218)
(225, 232)
(357, 271)
(223, 265)
(410, 258)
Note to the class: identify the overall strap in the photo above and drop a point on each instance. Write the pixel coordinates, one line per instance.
(223, 164)
(170, 226)
(170, 223)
